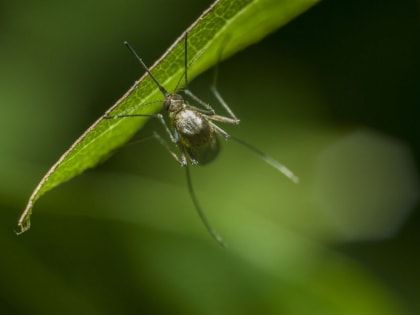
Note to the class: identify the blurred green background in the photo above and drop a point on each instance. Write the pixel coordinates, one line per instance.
(334, 95)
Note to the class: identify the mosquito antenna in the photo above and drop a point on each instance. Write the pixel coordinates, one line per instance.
(203, 217)
(161, 88)
(185, 75)
(186, 59)
(268, 159)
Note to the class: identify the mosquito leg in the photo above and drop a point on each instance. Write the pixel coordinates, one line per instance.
(128, 115)
(220, 131)
(200, 212)
(216, 93)
(210, 110)
(224, 119)
(181, 160)
(268, 159)
(126, 112)
(158, 116)
(224, 104)
(173, 136)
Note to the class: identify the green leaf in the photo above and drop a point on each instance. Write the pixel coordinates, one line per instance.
(231, 24)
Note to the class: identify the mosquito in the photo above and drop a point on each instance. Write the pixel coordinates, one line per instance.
(194, 132)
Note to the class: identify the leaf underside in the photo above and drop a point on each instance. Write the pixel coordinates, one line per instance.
(231, 24)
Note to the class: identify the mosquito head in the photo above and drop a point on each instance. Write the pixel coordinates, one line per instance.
(174, 102)
(161, 88)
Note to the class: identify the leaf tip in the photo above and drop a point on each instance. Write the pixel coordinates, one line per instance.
(24, 222)
(23, 227)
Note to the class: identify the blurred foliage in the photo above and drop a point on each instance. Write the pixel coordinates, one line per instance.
(334, 95)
